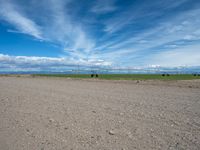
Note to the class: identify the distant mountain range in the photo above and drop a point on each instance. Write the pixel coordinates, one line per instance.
(116, 70)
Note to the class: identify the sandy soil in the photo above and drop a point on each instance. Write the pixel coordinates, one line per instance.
(54, 114)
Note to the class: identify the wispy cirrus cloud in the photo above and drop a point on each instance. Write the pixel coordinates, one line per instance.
(173, 32)
(9, 13)
(139, 11)
(104, 6)
(58, 28)
(129, 33)
(69, 34)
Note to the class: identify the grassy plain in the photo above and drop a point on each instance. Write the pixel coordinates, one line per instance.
(127, 76)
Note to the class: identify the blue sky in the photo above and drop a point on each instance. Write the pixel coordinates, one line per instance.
(53, 34)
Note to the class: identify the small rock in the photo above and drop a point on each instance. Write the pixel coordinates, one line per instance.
(98, 137)
(121, 114)
(130, 135)
(94, 111)
(111, 132)
(51, 120)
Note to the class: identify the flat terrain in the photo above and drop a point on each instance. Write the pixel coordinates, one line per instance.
(128, 76)
(43, 113)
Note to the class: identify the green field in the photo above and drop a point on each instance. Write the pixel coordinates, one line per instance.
(126, 76)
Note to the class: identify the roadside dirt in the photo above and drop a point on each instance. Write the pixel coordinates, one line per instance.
(66, 114)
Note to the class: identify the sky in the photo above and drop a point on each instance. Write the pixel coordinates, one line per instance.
(58, 34)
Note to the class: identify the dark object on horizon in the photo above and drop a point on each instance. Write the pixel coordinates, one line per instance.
(194, 74)
(168, 75)
(198, 74)
(163, 75)
(97, 75)
(92, 75)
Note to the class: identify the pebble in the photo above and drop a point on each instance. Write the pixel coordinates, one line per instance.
(51, 120)
(121, 114)
(111, 132)
(130, 135)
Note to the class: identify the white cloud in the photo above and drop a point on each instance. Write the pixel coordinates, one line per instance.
(57, 25)
(69, 34)
(142, 10)
(23, 24)
(31, 63)
(185, 56)
(104, 6)
(58, 28)
(171, 33)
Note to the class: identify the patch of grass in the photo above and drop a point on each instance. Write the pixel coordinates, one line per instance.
(126, 76)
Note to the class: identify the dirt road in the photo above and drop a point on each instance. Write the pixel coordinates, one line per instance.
(66, 114)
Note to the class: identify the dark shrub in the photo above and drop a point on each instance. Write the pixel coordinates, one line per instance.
(97, 75)
(92, 75)
(163, 75)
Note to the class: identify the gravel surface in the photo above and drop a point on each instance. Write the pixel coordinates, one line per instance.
(69, 114)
